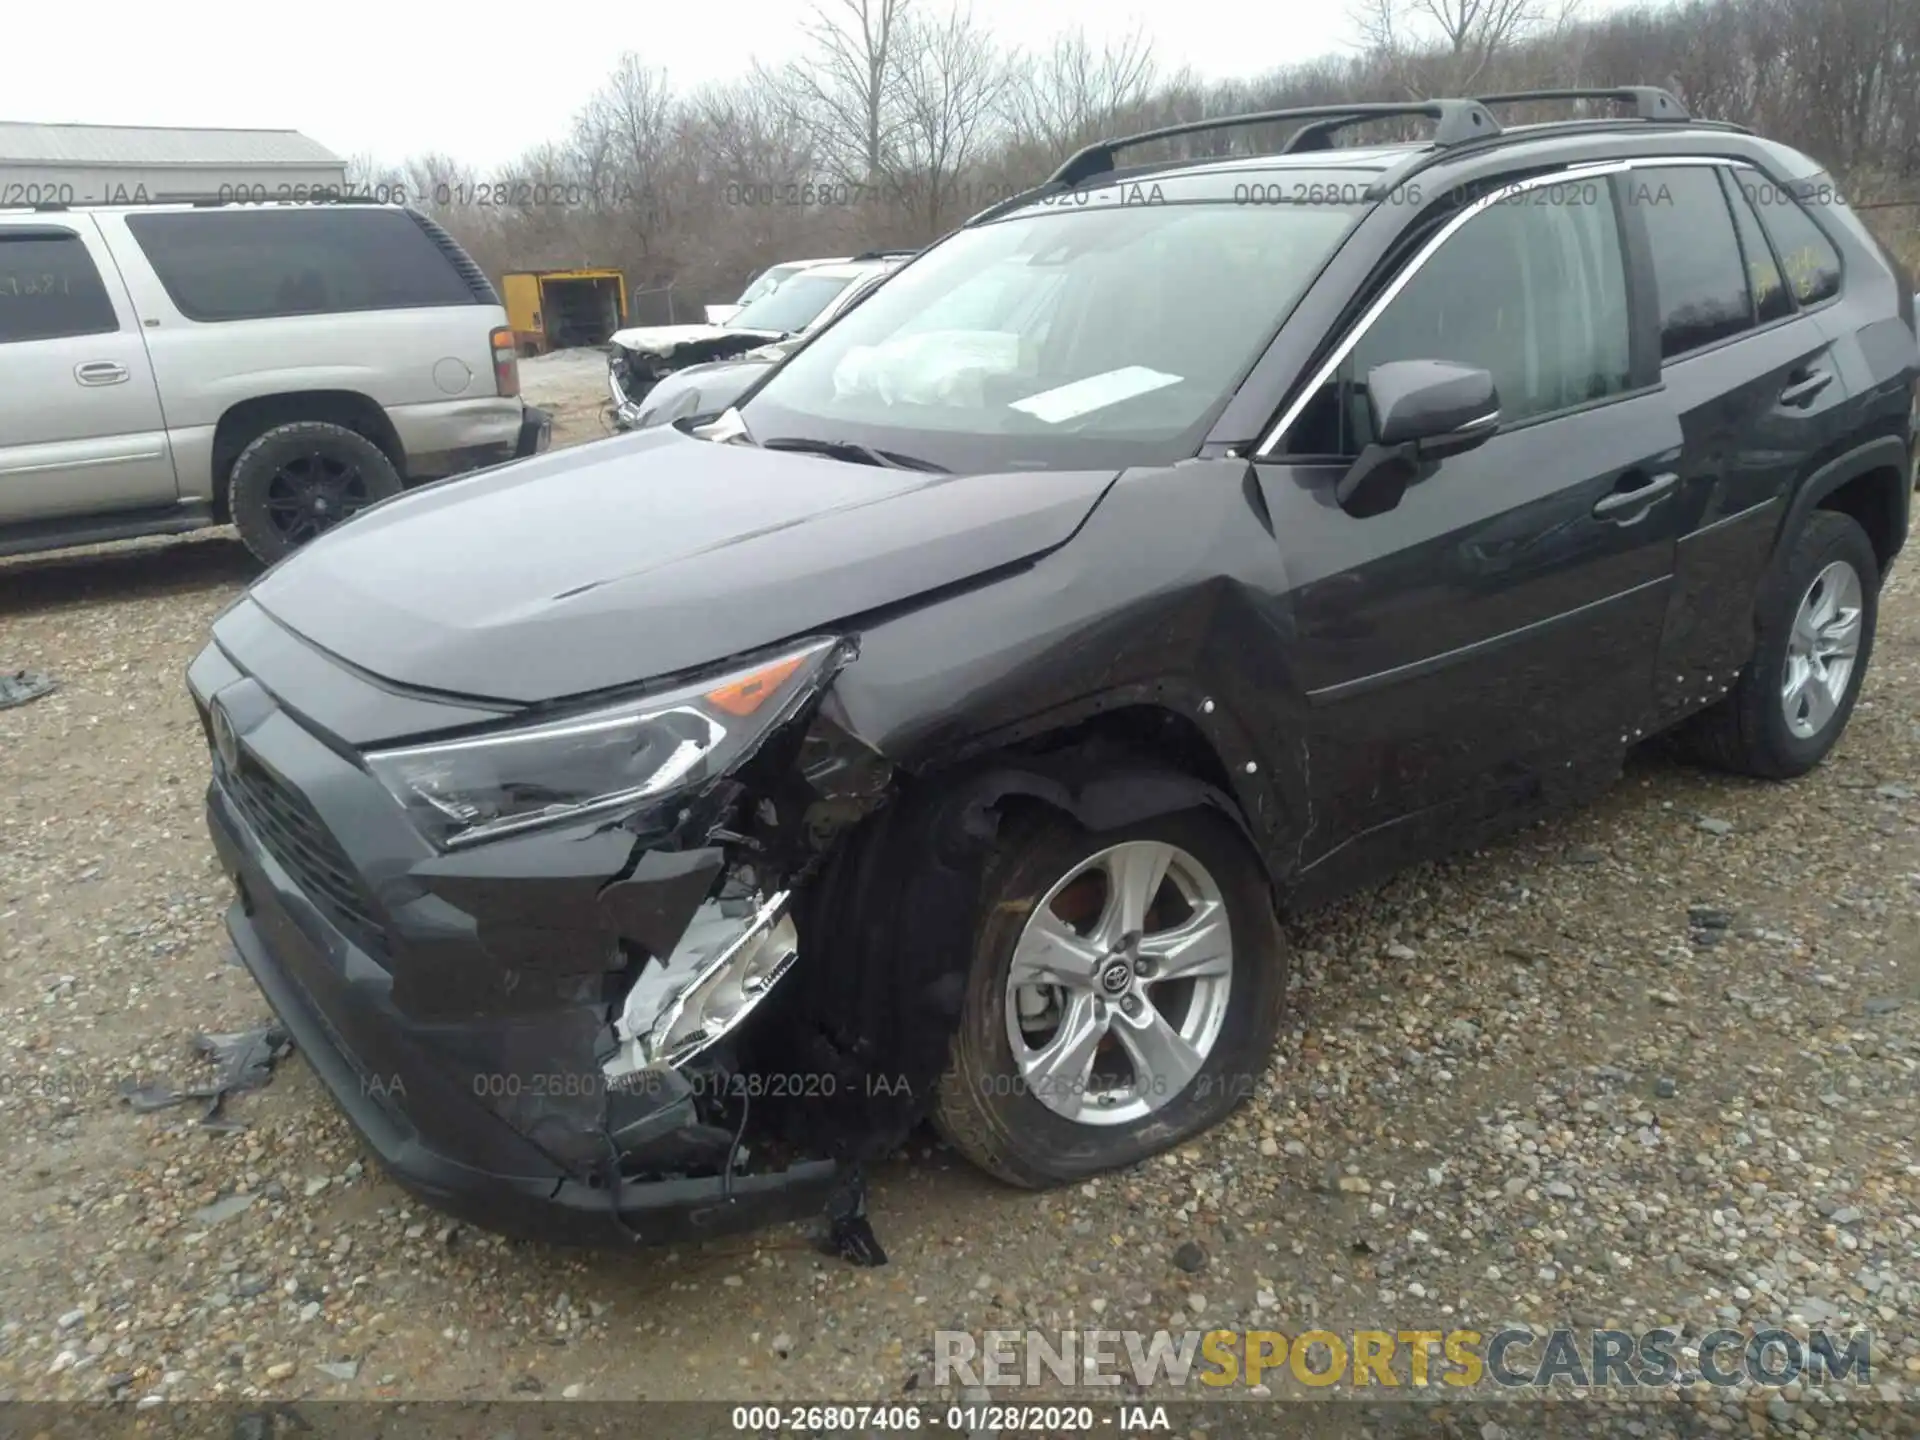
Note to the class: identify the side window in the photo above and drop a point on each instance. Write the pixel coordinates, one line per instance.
(1697, 268)
(1532, 289)
(49, 287)
(254, 264)
(1807, 255)
(1770, 298)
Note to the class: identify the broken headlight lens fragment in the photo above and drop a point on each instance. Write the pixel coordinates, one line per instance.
(460, 792)
(721, 970)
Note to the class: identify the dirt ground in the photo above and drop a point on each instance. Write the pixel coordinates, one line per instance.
(571, 385)
(1655, 1062)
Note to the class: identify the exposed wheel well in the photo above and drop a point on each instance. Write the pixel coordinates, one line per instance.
(1872, 499)
(864, 1003)
(1170, 738)
(249, 419)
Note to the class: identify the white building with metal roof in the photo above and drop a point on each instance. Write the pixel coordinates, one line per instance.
(78, 164)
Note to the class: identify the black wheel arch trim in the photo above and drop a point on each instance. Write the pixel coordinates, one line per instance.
(1106, 787)
(1882, 453)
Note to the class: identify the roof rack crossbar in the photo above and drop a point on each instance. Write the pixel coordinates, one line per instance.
(1319, 135)
(1454, 121)
(1648, 101)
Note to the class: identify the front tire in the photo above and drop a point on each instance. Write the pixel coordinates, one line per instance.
(1817, 618)
(299, 480)
(1125, 994)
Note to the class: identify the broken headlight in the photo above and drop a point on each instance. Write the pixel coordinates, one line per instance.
(460, 792)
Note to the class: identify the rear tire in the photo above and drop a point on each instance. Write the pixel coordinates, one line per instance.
(1007, 1114)
(299, 480)
(1766, 727)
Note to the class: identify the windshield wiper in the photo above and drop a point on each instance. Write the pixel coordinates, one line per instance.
(853, 450)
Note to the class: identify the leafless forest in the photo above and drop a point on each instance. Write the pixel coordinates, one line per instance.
(905, 117)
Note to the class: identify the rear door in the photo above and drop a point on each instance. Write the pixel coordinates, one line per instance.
(83, 431)
(1466, 650)
(1748, 365)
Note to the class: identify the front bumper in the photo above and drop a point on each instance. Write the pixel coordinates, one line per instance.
(457, 1011)
(626, 411)
(536, 433)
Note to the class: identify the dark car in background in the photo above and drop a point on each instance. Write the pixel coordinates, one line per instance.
(641, 840)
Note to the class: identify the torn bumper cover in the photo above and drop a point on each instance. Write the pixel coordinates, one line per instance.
(531, 1033)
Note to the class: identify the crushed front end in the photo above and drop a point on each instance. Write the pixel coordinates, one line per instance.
(638, 360)
(538, 1012)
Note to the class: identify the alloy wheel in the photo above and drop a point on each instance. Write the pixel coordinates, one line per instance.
(1821, 650)
(1118, 985)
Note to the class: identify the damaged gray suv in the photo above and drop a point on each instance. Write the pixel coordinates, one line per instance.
(641, 840)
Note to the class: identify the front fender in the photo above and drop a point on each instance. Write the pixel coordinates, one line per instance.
(1170, 602)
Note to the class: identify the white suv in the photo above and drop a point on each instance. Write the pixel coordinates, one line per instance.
(167, 367)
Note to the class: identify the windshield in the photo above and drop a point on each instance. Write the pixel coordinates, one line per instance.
(793, 306)
(766, 283)
(1095, 336)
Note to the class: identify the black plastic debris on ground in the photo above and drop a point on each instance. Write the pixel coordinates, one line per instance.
(17, 687)
(849, 1234)
(246, 1059)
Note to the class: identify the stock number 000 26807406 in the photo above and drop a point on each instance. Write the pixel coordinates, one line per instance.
(961, 1419)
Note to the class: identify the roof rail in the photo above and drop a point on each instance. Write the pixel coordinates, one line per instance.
(866, 256)
(1648, 102)
(1454, 121)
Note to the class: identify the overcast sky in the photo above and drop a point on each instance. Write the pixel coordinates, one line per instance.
(397, 77)
(393, 78)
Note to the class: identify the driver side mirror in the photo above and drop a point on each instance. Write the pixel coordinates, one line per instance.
(1423, 411)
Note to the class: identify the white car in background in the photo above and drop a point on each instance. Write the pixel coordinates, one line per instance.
(641, 357)
(765, 283)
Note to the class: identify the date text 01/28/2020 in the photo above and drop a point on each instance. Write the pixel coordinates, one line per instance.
(960, 1419)
(487, 194)
(730, 1086)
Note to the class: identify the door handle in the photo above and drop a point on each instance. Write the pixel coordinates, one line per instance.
(1630, 498)
(100, 372)
(1802, 390)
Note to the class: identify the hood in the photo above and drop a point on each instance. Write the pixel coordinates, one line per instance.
(646, 555)
(670, 339)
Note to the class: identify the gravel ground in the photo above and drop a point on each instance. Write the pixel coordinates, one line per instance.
(572, 386)
(1655, 1062)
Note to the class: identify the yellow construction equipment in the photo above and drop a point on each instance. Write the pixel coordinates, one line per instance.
(558, 309)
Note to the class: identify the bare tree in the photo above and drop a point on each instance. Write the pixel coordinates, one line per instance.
(951, 84)
(1448, 46)
(845, 91)
(691, 194)
(1072, 94)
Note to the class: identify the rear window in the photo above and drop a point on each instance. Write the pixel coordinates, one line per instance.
(49, 288)
(1807, 255)
(1698, 269)
(1770, 298)
(257, 264)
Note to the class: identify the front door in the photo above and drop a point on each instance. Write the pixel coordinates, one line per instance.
(82, 431)
(1493, 636)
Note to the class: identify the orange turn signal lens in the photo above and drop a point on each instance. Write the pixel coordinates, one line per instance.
(750, 692)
